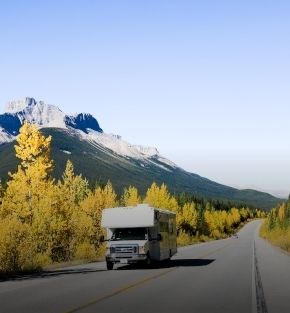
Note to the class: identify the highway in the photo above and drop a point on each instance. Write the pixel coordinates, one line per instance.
(235, 275)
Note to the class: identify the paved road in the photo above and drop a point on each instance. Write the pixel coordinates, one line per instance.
(236, 275)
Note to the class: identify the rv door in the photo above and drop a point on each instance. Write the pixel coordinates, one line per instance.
(154, 244)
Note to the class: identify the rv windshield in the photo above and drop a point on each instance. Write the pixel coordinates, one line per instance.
(129, 234)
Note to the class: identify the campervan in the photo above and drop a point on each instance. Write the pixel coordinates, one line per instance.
(139, 234)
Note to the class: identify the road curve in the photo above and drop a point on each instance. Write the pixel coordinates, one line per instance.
(235, 275)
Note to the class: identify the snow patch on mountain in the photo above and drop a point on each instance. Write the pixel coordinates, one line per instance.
(66, 152)
(37, 112)
(121, 147)
(5, 137)
(44, 115)
(19, 105)
(149, 151)
(163, 160)
(117, 145)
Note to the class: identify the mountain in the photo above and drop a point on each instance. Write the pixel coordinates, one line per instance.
(101, 157)
(84, 126)
(42, 114)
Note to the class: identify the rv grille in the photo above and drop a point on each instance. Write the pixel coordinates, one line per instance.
(124, 249)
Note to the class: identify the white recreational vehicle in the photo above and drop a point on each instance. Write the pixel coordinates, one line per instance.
(139, 234)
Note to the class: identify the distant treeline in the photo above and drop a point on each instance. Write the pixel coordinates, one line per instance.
(220, 205)
(43, 221)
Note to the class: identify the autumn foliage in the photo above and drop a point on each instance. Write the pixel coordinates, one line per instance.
(44, 221)
(276, 227)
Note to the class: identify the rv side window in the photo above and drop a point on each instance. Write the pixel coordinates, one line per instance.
(164, 227)
(152, 234)
(170, 227)
(156, 216)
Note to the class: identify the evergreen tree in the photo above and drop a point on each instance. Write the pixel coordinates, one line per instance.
(202, 227)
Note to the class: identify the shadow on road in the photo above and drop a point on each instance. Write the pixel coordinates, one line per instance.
(169, 264)
(191, 262)
(48, 274)
(84, 270)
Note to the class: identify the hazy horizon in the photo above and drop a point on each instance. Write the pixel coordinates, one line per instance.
(206, 83)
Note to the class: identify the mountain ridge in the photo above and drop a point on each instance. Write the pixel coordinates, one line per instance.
(82, 124)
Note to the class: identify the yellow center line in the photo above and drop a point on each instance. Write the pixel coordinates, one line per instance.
(118, 291)
(136, 284)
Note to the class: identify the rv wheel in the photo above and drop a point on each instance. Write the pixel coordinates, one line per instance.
(110, 265)
(148, 260)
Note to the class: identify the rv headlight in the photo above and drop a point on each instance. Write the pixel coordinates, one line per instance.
(142, 250)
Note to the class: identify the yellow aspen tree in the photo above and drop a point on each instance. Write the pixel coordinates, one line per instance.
(236, 216)
(244, 214)
(160, 197)
(210, 221)
(43, 219)
(33, 148)
(93, 205)
(28, 184)
(1, 192)
(68, 223)
(109, 197)
(281, 213)
(16, 246)
(131, 197)
(186, 218)
(75, 186)
(224, 220)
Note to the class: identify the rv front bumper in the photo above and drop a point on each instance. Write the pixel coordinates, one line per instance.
(126, 259)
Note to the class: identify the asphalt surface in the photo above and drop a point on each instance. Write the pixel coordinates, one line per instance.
(243, 274)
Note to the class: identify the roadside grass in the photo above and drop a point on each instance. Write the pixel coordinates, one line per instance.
(83, 257)
(277, 236)
(184, 239)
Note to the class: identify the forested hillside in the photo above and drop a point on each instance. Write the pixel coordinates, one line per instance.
(99, 164)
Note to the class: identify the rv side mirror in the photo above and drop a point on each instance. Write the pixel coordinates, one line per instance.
(102, 238)
(159, 237)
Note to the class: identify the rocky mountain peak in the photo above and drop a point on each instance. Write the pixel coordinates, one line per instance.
(19, 105)
(83, 125)
(43, 115)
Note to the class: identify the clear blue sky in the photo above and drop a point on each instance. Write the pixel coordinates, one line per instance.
(206, 82)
